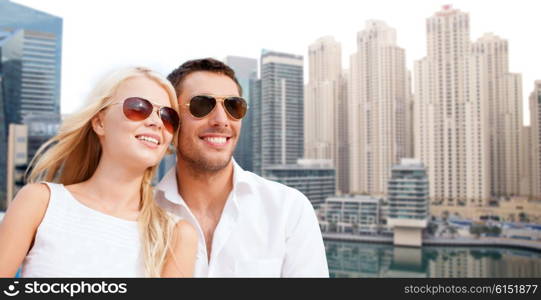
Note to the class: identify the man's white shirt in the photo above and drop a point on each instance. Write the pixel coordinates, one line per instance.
(266, 230)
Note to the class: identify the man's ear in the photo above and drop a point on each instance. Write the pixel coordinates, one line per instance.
(97, 124)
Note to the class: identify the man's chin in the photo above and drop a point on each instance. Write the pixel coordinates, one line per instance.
(208, 164)
(216, 164)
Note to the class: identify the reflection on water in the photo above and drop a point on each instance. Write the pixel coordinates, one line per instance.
(350, 259)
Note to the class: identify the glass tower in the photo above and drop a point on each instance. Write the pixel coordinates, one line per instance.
(30, 66)
(282, 108)
(246, 73)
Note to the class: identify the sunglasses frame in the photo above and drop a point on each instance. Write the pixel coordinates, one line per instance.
(217, 99)
(154, 105)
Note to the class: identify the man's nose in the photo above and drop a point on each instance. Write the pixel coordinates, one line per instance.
(219, 116)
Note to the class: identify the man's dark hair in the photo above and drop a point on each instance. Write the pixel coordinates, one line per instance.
(208, 64)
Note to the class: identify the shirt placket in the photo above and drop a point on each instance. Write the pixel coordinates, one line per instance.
(221, 234)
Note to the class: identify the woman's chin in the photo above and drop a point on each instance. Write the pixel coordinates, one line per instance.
(144, 163)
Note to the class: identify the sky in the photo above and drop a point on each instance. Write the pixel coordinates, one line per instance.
(101, 35)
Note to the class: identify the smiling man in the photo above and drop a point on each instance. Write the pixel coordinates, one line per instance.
(248, 226)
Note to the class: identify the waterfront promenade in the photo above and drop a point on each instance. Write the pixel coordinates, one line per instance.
(459, 241)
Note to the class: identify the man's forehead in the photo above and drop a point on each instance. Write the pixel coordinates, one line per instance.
(209, 83)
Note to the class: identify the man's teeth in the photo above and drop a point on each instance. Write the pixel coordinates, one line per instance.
(216, 140)
(148, 139)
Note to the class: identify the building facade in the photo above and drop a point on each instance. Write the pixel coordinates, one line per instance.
(314, 178)
(535, 139)
(282, 108)
(502, 99)
(377, 108)
(257, 126)
(408, 202)
(355, 214)
(30, 69)
(17, 161)
(451, 127)
(325, 108)
(526, 160)
(246, 72)
(41, 127)
(324, 64)
(341, 135)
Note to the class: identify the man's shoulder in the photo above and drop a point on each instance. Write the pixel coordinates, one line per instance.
(258, 183)
(272, 190)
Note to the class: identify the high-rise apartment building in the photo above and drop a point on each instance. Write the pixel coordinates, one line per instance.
(377, 108)
(341, 135)
(535, 139)
(281, 138)
(324, 64)
(325, 108)
(501, 93)
(450, 113)
(526, 161)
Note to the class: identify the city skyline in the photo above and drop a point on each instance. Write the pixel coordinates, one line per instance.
(343, 20)
(467, 110)
(429, 154)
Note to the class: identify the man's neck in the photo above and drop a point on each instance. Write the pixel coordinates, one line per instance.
(205, 193)
(202, 190)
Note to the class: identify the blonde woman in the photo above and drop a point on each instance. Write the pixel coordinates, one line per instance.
(89, 209)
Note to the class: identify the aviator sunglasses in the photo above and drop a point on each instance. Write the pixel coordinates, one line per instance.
(138, 109)
(202, 105)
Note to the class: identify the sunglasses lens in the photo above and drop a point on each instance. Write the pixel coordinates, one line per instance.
(137, 109)
(170, 119)
(201, 106)
(236, 106)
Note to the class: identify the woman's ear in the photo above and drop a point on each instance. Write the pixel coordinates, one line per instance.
(97, 124)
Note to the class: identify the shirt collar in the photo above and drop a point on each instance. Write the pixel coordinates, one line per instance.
(168, 185)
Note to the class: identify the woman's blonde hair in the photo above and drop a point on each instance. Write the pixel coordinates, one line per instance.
(72, 156)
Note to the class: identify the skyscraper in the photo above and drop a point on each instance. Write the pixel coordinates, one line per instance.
(282, 112)
(503, 93)
(451, 115)
(341, 135)
(255, 111)
(31, 60)
(30, 65)
(378, 108)
(325, 108)
(246, 72)
(535, 137)
(324, 64)
(526, 161)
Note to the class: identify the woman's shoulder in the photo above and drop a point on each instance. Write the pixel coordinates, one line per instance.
(30, 203)
(34, 193)
(184, 230)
